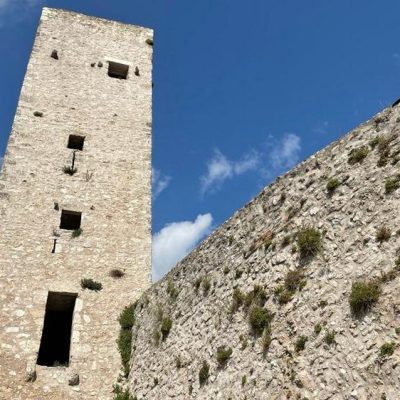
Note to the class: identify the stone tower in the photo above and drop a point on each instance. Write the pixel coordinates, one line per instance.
(75, 197)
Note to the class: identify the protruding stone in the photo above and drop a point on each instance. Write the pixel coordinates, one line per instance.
(73, 379)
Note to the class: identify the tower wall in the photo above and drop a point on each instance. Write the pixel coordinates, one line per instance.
(73, 95)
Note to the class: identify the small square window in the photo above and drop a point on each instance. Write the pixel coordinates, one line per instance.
(117, 70)
(76, 142)
(70, 220)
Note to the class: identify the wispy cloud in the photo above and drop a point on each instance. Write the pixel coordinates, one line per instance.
(175, 241)
(276, 156)
(284, 153)
(159, 182)
(219, 169)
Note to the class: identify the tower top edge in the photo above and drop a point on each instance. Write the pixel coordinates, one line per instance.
(49, 12)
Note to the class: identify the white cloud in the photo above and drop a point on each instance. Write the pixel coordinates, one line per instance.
(219, 169)
(159, 182)
(285, 153)
(175, 241)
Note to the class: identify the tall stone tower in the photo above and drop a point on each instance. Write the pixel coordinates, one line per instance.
(75, 204)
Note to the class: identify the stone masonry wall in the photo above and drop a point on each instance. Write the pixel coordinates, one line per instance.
(74, 95)
(258, 245)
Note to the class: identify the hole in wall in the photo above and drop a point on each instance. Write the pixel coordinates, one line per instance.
(76, 142)
(117, 70)
(56, 335)
(70, 220)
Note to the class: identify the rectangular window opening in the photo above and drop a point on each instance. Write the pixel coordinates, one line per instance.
(70, 220)
(76, 142)
(55, 343)
(117, 70)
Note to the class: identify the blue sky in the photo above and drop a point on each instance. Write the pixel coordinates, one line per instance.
(243, 90)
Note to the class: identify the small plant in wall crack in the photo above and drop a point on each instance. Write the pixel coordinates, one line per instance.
(76, 233)
(69, 170)
(87, 283)
(204, 373)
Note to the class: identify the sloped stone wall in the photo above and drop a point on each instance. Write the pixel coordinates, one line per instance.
(258, 246)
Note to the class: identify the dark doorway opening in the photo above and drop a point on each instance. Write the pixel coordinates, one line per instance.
(56, 336)
(70, 220)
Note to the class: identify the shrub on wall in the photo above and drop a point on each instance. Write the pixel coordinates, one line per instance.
(363, 296)
(223, 355)
(309, 242)
(126, 321)
(204, 373)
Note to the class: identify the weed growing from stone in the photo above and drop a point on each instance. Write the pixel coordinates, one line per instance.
(90, 284)
(330, 338)
(204, 373)
(300, 343)
(387, 349)
(363, 296)
(259, 319)
(383, 234)
(357, 155)
(124, 342)
(392, 184)
(76, 233)
(332, 185)
(309, 242)
(166, 325)
(223, 355)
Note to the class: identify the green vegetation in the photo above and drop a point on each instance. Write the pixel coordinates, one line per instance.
(294, 280)
(204, 373)
(166, 325)
(332, 184)
(244, 380)
(383, 233)
(67, 169)
(117, 273)
(223, 355)
(124, 342)
(259, 319)
(357, 155)
(256, 296)
(206, 284)
(387, 349)
(87, 283)
(171, 290)
(121, 394)
(363, 296)
(375, 141)
(309, 242)
(76, 233)
(392, 184)
(286, 241)
(238, 298)
(330, 337)
(317, 328)
(300, 343)
(266, 340)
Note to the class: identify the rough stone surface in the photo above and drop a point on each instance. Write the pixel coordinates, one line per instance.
(257, 246)
(111, 188)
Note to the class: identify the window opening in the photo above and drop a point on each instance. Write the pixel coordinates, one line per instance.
(70, 220)
(117, 70)
(76, 142)
(55, 343)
